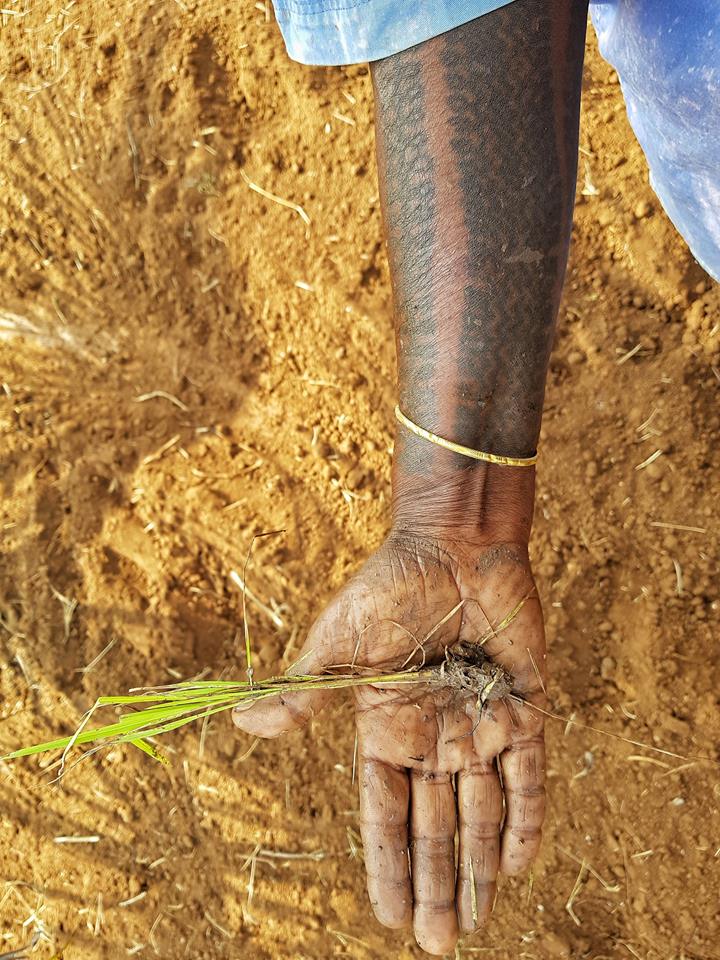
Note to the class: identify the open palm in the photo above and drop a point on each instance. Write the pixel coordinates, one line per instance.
(431, 757)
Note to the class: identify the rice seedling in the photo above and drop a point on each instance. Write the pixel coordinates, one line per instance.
(156, 710)
(153, 711)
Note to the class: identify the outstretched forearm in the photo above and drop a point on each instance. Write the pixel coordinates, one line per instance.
(477, 136)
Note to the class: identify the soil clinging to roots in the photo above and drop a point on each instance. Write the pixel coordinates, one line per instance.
(468, 668)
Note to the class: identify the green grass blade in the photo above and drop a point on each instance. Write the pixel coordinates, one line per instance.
(175, 724)
(151, 750)
(127, 725)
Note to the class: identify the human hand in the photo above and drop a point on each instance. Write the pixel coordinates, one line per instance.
(430, 757)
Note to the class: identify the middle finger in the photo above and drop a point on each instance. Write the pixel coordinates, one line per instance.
(432, 821)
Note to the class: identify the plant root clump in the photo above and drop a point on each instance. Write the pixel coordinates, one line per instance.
(468, 668)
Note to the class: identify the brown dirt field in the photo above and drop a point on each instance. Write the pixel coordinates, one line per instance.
(134, 258)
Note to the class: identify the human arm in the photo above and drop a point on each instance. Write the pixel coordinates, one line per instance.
(477, 140)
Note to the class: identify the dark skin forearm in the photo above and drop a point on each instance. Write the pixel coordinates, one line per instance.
(477, 134)
(477, 139)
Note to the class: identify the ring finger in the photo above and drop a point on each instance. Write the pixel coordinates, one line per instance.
(480, 806)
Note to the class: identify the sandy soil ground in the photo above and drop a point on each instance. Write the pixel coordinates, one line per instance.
(185, 363)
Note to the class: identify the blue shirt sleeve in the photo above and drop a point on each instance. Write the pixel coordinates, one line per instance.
(667, 56)
(334, 32)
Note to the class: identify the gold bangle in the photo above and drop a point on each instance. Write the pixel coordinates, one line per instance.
(465, 451)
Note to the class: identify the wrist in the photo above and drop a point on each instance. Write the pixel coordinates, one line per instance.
(442, 494)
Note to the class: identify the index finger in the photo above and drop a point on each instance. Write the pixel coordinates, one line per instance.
(384, 799)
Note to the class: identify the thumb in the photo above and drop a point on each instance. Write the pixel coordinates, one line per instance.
(279, 714)
(273, 716)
